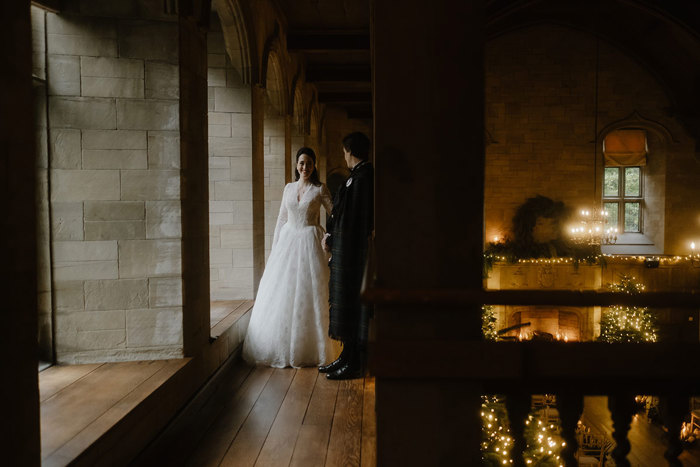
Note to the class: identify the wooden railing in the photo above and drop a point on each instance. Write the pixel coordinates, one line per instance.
(568, 370)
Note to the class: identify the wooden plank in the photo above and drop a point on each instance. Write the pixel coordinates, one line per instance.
(369, 426)
(219, 309)
(68, 412)
(312, 443)
(57, 377)
(223, 431)
(344, 447)
(109, 419)
(247, 444)
(279, 445)
(232, 317)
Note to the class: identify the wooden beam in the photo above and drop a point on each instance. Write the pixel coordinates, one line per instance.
(321, 41)
(349, 73)
(461, 298)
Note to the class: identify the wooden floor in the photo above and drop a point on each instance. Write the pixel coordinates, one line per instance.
(647, 439)
(288, 417)
(224, 313)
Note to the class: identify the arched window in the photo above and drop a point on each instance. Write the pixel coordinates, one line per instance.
(625, 154)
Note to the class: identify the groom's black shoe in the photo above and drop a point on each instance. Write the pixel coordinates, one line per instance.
(333, 366)
(347, 371)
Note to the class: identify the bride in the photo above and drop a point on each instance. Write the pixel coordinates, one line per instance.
(289, 321)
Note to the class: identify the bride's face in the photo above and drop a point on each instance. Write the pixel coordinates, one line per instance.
(305, 166)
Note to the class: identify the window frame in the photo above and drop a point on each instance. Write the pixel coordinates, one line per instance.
(622, 199)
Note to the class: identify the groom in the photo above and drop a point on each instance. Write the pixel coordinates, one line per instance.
(349, 229)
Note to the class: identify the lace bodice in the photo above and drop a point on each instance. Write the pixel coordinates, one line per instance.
(302, 212)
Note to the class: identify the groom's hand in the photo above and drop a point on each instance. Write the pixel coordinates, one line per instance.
(324, 244)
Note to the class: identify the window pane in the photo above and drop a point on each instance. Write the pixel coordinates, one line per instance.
(632, 223)
(613, 215)
(611, 184)
(632, 176)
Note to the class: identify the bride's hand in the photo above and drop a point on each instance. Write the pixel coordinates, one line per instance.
(324, 245)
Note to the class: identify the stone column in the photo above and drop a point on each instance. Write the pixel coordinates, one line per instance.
(288, 155)
(428, 144)
(20, 442)
(258, 136)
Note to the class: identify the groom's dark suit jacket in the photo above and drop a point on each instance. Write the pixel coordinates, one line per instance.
(350, 227)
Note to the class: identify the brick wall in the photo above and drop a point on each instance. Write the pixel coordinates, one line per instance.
(115, 183)
(230, 175)
(540, 116)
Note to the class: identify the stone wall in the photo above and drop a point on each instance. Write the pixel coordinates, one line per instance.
(541, 123)
(230, 175)
(274, 140)
(114, 145)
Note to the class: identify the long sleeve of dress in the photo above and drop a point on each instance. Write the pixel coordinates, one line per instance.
(326, 199)
(282, 216)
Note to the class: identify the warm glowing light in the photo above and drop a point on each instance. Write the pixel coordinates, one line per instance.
(495, 239)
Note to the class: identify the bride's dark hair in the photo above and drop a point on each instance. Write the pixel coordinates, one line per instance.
(314, 175)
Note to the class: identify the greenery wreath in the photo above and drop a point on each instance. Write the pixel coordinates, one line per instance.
(523, 244)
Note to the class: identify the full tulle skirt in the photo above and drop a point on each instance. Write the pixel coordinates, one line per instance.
(289, 321)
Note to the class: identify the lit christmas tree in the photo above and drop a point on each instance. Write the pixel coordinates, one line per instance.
(488, 323)
(628, 323)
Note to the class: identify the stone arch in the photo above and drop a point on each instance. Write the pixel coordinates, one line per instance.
(636, 120)
(237, 33)
(274, 77)
(299, 119)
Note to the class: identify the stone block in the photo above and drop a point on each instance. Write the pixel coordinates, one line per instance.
(90, 321)
(153, 327)
(220, 206)
(87, 27)
(219, 124)
(241, 168)
(219, 162)
(67, 221)
(60, 44)
(150, 184)
(82, 113)
(97, 340)
(84, 185)
(217, 60)
(221, 257)
(163, 150)
(217, 175)
(221, 218)
(114, 210)
(232, 100)
(84, 251)
(233, 191)
(68, 295)
(236, 238)
(124, 294)
(85, 270)
(147, 115)
(103, 67)
(215, 43)
(242, 213)
(162, 81)
(243, 258)
(149, 258)
(241, 125)
(112, 87)
(213, 276)
(65, 149)
(115, 230)
(165, 292)
(216, 77)
(64, 75)
(149, 40)
(234, 78)
(115, 159)
(230, 147)
(114, 139)
(163, 219)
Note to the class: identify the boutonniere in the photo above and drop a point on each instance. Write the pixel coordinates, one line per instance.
(349, 182)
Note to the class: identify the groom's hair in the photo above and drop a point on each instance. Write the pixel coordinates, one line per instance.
(357, 144)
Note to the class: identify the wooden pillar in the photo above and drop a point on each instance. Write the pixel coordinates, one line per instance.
(258, 135)
(288, 162)
(19, 391)
(194, 185)
(428, 89)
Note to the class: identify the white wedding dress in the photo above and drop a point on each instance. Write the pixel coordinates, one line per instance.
(289, 321)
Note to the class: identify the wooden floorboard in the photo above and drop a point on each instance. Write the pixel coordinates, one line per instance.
(345, 444)
(57, 378)
(222, 432)
(230, 317)
(369, 426)
(220, 309)
(69, 411)
(248, 442)
(279, 445)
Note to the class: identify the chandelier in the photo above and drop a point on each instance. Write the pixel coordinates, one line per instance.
(591, 228)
